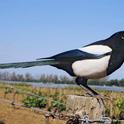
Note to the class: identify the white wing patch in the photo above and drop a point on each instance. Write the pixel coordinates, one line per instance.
(96, 49)
(91, 68)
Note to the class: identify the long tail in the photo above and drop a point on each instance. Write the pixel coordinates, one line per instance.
(28, 64)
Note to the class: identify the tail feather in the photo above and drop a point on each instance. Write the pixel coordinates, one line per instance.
(28, 64)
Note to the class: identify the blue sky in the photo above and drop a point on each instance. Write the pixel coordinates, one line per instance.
(31, 29)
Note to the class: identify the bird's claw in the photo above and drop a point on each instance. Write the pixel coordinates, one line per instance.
(100, 99)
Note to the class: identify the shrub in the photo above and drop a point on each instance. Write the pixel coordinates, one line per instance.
(58, 105)
(31, 101)
(120, 104)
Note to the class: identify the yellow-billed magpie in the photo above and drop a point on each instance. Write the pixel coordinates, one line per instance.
(93, 61)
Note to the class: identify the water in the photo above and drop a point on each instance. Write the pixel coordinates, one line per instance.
(109, 88)
(52, 85)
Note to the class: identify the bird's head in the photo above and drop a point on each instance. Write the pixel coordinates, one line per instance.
(116, 41)
(118, 35)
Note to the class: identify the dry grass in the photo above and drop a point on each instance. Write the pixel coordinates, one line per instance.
(21, 116)
(10, 115)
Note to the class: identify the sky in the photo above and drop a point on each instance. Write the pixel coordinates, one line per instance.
(31, 29)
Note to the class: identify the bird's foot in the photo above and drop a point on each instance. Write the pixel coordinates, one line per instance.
(100, 99)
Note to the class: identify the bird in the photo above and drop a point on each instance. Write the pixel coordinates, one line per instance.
(93, 61)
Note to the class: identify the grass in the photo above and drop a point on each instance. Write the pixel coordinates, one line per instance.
(56, 98)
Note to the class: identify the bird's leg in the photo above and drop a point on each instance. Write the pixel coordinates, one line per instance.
(82, 82)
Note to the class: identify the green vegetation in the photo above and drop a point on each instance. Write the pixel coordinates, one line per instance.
(115, 82)
(58, 105)
(51, 102)
(116, 122)
(31, 101)
(120, 103)
(115, 106)
(119, 106)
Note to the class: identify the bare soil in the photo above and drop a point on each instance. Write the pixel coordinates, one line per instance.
(9, 115)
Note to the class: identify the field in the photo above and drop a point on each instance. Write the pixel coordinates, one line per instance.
(56, 98)
(9, 115)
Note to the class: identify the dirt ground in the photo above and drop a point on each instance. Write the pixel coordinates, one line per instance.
(9, 115)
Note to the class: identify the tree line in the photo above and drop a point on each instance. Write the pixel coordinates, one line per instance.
(45, 78)
(29, 78)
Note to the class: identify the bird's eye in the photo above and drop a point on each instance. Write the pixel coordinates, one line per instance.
(122, 37)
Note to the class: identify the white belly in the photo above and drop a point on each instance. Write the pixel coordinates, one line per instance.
(91, 68)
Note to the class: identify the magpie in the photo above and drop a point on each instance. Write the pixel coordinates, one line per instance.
(93, 61)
